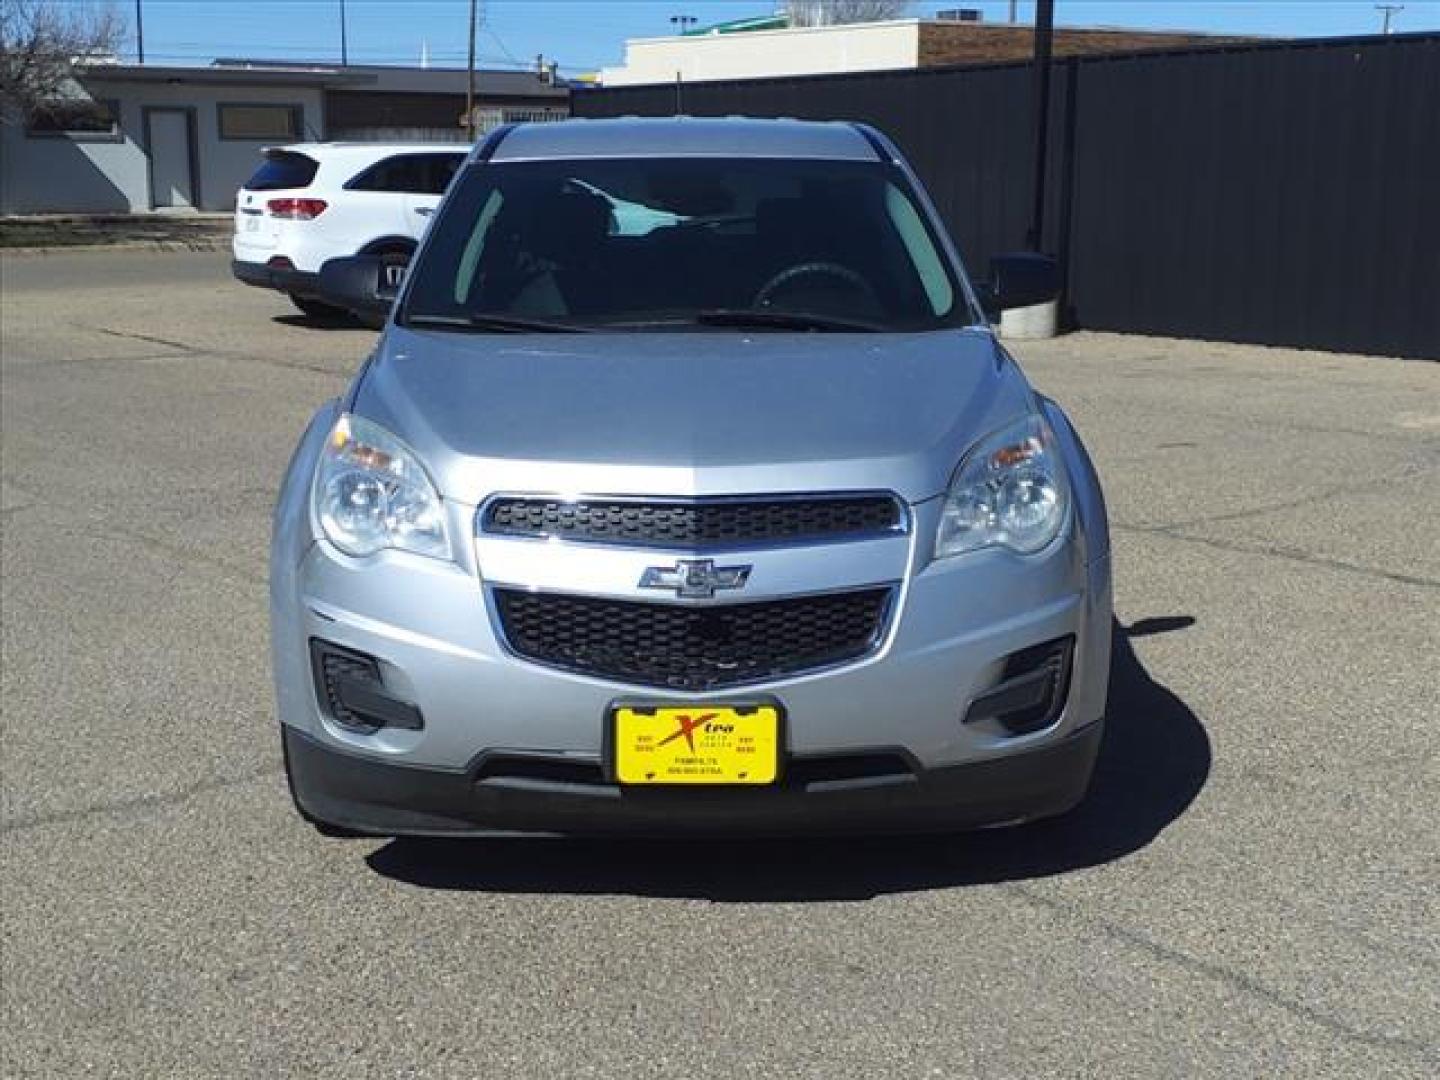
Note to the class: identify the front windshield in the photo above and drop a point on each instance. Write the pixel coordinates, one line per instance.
(650, 243)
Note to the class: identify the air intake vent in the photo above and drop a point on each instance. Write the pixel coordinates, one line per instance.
(690, 526)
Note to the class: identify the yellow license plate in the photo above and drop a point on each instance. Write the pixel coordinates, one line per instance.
(708, 744)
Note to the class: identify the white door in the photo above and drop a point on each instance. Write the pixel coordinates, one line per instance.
(171, 183)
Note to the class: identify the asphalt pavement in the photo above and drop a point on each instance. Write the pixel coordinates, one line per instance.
(1251, 889)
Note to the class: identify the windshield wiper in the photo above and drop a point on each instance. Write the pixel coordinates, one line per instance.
(783, 320)
(494, 322)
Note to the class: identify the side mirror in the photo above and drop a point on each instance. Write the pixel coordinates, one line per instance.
(362, 284)
(1020, 279)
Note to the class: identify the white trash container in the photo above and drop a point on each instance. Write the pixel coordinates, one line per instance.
(1031, 323)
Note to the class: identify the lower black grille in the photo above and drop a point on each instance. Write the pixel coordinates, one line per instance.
(692, 648)
(701, 524)
(828, 770)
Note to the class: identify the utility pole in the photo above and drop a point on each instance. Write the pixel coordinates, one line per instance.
(1386, 12)
(139, 34)
(682, 23)
(344, 45)
(1014, 11)
(470, 72)
(1044, 33)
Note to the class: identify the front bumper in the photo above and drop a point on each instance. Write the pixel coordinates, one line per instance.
(286, 280)
(427, 626)
(336, 788)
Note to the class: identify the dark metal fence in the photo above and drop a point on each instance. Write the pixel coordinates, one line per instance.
(1281, 194)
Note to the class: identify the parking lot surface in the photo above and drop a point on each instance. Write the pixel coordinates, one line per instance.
(1252, 889)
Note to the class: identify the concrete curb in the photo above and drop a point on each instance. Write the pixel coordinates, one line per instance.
(218, 243)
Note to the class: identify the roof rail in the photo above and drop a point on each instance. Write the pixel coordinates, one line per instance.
(492, 142)
(877, 143)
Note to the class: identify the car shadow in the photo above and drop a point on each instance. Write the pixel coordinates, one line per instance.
(1153, 761)
(328, 322)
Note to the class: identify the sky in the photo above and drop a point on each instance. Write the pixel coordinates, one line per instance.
(584, 35)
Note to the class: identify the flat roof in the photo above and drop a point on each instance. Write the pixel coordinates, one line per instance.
(256, 76)
(686, 136)
(371, 78)
(764, 27)
(397, 79)
(740, 26)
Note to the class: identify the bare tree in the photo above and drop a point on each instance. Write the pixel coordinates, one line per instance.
(835, 12)
(41, 41)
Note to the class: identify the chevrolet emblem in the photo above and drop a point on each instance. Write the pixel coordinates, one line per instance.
(695, 579)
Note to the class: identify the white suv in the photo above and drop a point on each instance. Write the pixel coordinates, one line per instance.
(316, 201)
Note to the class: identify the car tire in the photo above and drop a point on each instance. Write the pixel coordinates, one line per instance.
(318, 309)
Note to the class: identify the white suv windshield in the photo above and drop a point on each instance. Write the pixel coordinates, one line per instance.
(657, 243)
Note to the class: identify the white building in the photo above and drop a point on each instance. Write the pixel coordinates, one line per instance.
(750, 54)
(133, 138)
(760, 48)
(155, 138)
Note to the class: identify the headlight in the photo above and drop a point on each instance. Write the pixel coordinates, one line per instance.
(371, 492)
(1009, 490)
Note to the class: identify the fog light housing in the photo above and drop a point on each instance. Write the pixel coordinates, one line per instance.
(352, 693)
(1032, 689)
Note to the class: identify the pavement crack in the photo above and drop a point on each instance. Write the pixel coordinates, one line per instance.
(17, 496)
(185, 555)
(220, 354)
(139, 803)
(77, 361)
(1256, 511)
(1277, 551)
(131, 335)
(1405, 473)
(175, 551)
(1221, 973)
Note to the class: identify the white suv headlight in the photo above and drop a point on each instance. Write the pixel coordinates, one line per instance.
(1009, 490)
(371, 492)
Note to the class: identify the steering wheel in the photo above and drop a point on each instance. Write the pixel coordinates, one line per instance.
(785, 277)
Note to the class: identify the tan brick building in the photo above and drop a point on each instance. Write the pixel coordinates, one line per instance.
(945, 42)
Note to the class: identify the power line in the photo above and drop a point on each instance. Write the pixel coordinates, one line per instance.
(386, 59)
(1386, 12)
(503, 47)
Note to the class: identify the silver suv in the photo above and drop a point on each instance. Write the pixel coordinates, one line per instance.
(688, 490)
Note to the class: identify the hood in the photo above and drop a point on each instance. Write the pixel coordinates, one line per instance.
(690, 414)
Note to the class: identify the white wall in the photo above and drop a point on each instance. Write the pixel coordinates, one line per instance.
(804, 51)
(63, 175)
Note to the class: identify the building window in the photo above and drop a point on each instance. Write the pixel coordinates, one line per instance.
(539, 115)
(490, 117)
(83, 120)
(264, 122)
